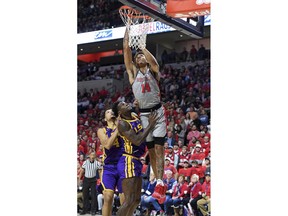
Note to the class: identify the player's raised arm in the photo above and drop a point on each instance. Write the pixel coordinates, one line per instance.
(151, 60)
(105, 141)
(125, 130)
(128, 57)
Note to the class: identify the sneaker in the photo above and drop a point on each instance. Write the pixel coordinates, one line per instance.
(160, 193)
(83, 212)
(99, 212)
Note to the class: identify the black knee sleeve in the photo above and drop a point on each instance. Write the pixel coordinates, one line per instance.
(150, 144)
(159, 140)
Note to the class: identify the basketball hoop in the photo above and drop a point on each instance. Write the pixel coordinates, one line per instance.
(137, 24)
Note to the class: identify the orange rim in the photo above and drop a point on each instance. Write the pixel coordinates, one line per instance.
(133, 13)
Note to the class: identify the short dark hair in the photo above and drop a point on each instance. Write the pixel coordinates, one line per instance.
(115, 109)
(137, 53)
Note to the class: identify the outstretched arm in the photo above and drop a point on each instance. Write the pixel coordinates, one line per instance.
(130, 68)
(151, 60)
(125, 130)
(105, 141)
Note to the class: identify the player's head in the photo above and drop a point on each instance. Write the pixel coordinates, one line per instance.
(109, 115)
(121, 108)
(140, 59)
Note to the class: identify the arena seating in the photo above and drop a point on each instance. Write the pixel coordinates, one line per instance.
(97, 15)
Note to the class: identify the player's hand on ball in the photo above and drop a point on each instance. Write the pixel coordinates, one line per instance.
(153, 118)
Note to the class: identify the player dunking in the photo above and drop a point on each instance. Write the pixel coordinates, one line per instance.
(144, 77)
(110, 140)
(133, 147)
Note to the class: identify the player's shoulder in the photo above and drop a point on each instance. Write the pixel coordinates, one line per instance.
(154, 74)
(135, 115)
(101, 130)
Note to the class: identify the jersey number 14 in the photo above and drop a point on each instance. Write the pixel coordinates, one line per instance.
(145, 87)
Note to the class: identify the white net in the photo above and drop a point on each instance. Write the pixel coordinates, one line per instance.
(137, 24)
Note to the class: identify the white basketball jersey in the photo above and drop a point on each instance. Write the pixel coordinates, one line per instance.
(146, 90)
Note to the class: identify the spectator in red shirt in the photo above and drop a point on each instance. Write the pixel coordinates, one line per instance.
(201, 138)
(166, 150)
(80, 148)
(206, 103)
(184, 155)
(169, 166)
(100, 151)
(180, 144)
(176, 149)
(194, 168)
(84, 143)
(201, 171)
(195, 194)
(206, 144)
(95, 96)
(115, 97)
(91, 148)
(197, 154)
(180, 195)
(205, 196)
(186, 171)
(103, 93)
(94, 139)
(144, 165)
(81, 159)
(170, 154)
(192, 144)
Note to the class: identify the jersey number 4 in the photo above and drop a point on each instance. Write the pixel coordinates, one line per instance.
(145, 88)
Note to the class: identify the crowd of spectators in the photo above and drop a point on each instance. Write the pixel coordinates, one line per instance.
(185, 93)
(96, 15)
(192, 55)
(92, 71)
